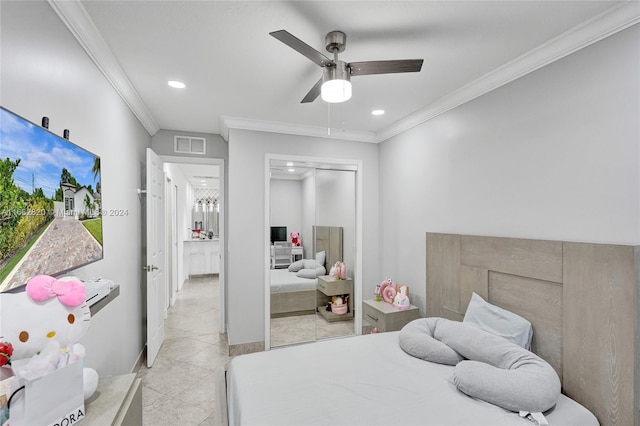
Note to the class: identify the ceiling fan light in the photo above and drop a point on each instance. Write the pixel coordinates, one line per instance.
(336, 84)
(336, 91)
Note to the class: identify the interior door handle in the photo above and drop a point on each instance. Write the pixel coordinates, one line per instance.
(149, 268)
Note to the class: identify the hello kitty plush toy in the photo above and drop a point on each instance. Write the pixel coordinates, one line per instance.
(295, 239)
(44, 324)
(401, 300)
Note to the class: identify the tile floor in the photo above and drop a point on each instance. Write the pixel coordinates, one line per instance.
(179, 389)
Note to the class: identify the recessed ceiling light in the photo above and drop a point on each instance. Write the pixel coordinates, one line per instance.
(292, 170)
(177, 84)
(377, 112)
(289, 164)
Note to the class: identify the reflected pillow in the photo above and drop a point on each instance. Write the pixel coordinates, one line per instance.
(310, 264)
(321, 257)
(296, 266)
(498, 321)
(311, 273)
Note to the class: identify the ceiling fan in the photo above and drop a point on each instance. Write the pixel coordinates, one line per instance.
(335, 84)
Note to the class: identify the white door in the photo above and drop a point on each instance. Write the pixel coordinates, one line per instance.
(156, 277)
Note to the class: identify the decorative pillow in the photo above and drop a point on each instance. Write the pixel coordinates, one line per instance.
(496, 370)
(310, 264)
(321, 257)
(499, 371)
(296, 266)
(416, 339)
(311, 273)
(498, 321)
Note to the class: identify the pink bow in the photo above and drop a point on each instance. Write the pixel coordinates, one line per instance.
(43, 287)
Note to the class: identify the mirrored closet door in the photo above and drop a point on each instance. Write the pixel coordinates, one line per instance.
(312, 230)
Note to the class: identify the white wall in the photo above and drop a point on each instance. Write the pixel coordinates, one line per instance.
(553, 155)
(336, 206)
(286, 205)
(45, 72)
(308, 213)
(247, 262)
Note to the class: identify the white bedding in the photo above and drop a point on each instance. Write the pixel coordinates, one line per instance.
(283, 281)
(362, 380)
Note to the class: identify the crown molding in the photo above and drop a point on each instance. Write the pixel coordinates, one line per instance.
(75, 17)
(610, 22)
(227, 123)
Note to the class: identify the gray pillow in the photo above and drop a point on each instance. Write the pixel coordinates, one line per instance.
(310, 264)
(499, 371)
(416, 339)
(321, 257)
(296, 266)
(495, 370)
(498, 321)
(311, 273)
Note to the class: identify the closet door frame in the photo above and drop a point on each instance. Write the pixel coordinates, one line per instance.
(266, 236)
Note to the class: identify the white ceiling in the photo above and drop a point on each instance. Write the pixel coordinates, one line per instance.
(236, 71)
(201, 176)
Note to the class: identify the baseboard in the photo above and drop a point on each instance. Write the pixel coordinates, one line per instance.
(246, 348)
(140, 360)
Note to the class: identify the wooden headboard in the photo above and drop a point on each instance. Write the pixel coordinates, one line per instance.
(329, 240)
(580, 298)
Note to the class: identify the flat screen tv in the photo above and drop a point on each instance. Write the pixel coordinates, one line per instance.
(50, 203)
(278, 233)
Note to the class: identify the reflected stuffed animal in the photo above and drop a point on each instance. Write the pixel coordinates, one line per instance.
(295, 239)
(401, 300)
(50, 316)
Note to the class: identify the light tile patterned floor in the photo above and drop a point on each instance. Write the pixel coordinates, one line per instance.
(179, 388)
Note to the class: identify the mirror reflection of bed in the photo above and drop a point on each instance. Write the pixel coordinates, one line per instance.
(298, 309)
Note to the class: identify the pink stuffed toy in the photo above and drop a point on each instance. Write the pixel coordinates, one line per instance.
(295, 239)
(388, 290)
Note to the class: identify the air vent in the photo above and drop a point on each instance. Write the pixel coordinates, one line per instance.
(190, 145)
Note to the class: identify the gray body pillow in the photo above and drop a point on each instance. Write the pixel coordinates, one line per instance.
(311, 273)
(495, 370)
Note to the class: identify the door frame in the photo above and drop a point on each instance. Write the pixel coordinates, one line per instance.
(266, 236)
(220, 162)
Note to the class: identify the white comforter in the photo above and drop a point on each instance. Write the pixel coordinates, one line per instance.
(362, 380)
(283, 281)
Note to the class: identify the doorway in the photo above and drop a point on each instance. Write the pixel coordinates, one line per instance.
(198, 188)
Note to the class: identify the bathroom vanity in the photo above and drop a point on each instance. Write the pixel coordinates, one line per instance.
(202, 256)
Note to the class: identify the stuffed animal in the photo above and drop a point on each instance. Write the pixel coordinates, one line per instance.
(43, 323)
(388, 290)
(338, 271)
(401, 300)
(295, 239)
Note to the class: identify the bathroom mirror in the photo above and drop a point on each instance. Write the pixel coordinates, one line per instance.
(312, 227)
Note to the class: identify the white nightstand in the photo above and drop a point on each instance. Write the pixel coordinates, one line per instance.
(385, 316)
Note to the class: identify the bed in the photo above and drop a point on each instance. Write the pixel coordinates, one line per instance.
(294, 295)
(362, 380)
(371, 380)
(290, 294)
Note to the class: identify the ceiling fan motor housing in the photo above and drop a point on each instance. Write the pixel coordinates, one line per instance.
(336, 41)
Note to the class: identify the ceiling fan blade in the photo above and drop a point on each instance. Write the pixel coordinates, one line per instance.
(313, 93)
(301, 47)
(385, 67)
